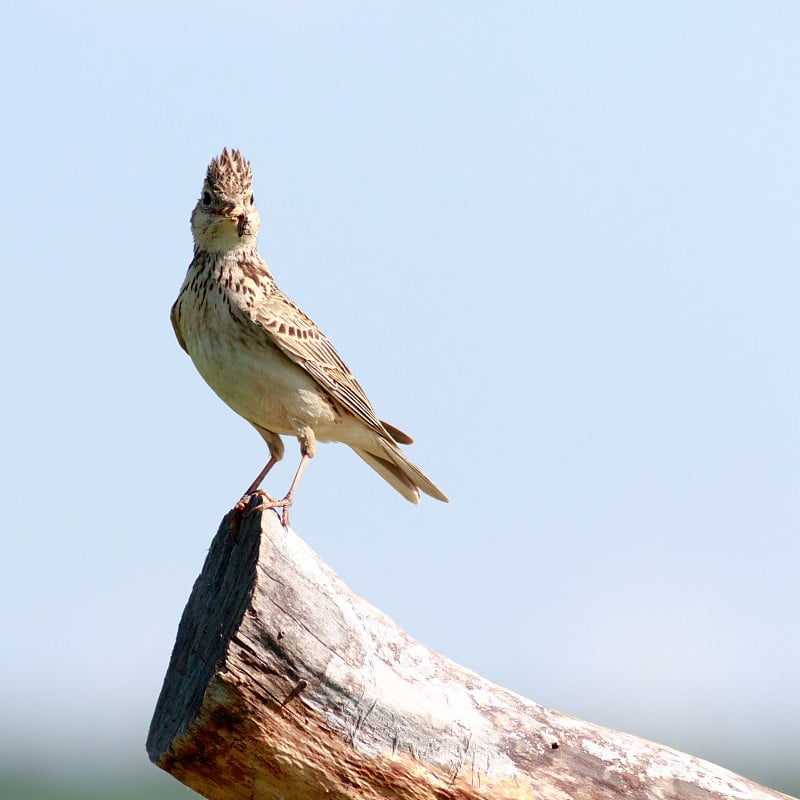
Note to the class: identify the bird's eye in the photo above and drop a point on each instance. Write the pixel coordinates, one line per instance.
(206, 198)
(252, 199)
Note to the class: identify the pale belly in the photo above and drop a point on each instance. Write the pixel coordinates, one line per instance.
(256, 379)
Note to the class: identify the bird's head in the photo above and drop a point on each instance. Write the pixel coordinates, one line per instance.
(225, 216)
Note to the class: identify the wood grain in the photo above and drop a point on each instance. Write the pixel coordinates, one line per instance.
(285, 684)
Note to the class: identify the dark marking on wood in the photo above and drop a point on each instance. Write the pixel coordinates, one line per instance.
(301, 685)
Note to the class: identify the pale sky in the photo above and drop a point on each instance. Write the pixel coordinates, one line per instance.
(557, 244)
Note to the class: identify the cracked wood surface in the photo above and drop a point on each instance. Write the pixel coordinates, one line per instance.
(283, 683)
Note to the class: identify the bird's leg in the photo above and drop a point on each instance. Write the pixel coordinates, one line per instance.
(270, 502)
(308, 448)
(275, 446)
(253, 488)
(290, 494)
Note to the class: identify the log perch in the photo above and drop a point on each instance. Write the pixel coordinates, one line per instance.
(285, 684)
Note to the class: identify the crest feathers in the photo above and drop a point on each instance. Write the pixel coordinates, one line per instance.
(229, 174)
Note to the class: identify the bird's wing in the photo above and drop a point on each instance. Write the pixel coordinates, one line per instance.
(296, 335)
(173, 316)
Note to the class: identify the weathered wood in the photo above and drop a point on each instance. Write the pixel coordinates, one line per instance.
(285, 684)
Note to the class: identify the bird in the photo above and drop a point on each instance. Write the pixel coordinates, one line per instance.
(264, 356)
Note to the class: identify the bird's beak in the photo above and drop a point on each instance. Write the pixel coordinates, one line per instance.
(231, 211)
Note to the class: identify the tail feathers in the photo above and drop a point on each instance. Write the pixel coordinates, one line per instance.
(392, 474)
(396, 469)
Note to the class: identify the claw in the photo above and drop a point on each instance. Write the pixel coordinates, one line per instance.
(242, 504)
(268, 502)
(272, 503)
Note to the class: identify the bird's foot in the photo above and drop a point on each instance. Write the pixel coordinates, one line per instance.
(242, 504)
(268, 502)
(284, 504)
(241, 507)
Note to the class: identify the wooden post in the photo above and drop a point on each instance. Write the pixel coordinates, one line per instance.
(285, 684)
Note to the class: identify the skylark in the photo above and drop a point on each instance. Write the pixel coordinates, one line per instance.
(263, 355)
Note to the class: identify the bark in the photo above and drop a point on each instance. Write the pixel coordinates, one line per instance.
(285, 684)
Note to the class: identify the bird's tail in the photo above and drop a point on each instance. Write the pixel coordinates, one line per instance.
(397, 470)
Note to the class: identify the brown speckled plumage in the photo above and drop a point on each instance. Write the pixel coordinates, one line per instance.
(229, 174)
(262, 354)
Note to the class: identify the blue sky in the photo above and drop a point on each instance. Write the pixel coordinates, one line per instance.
(556, 242)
